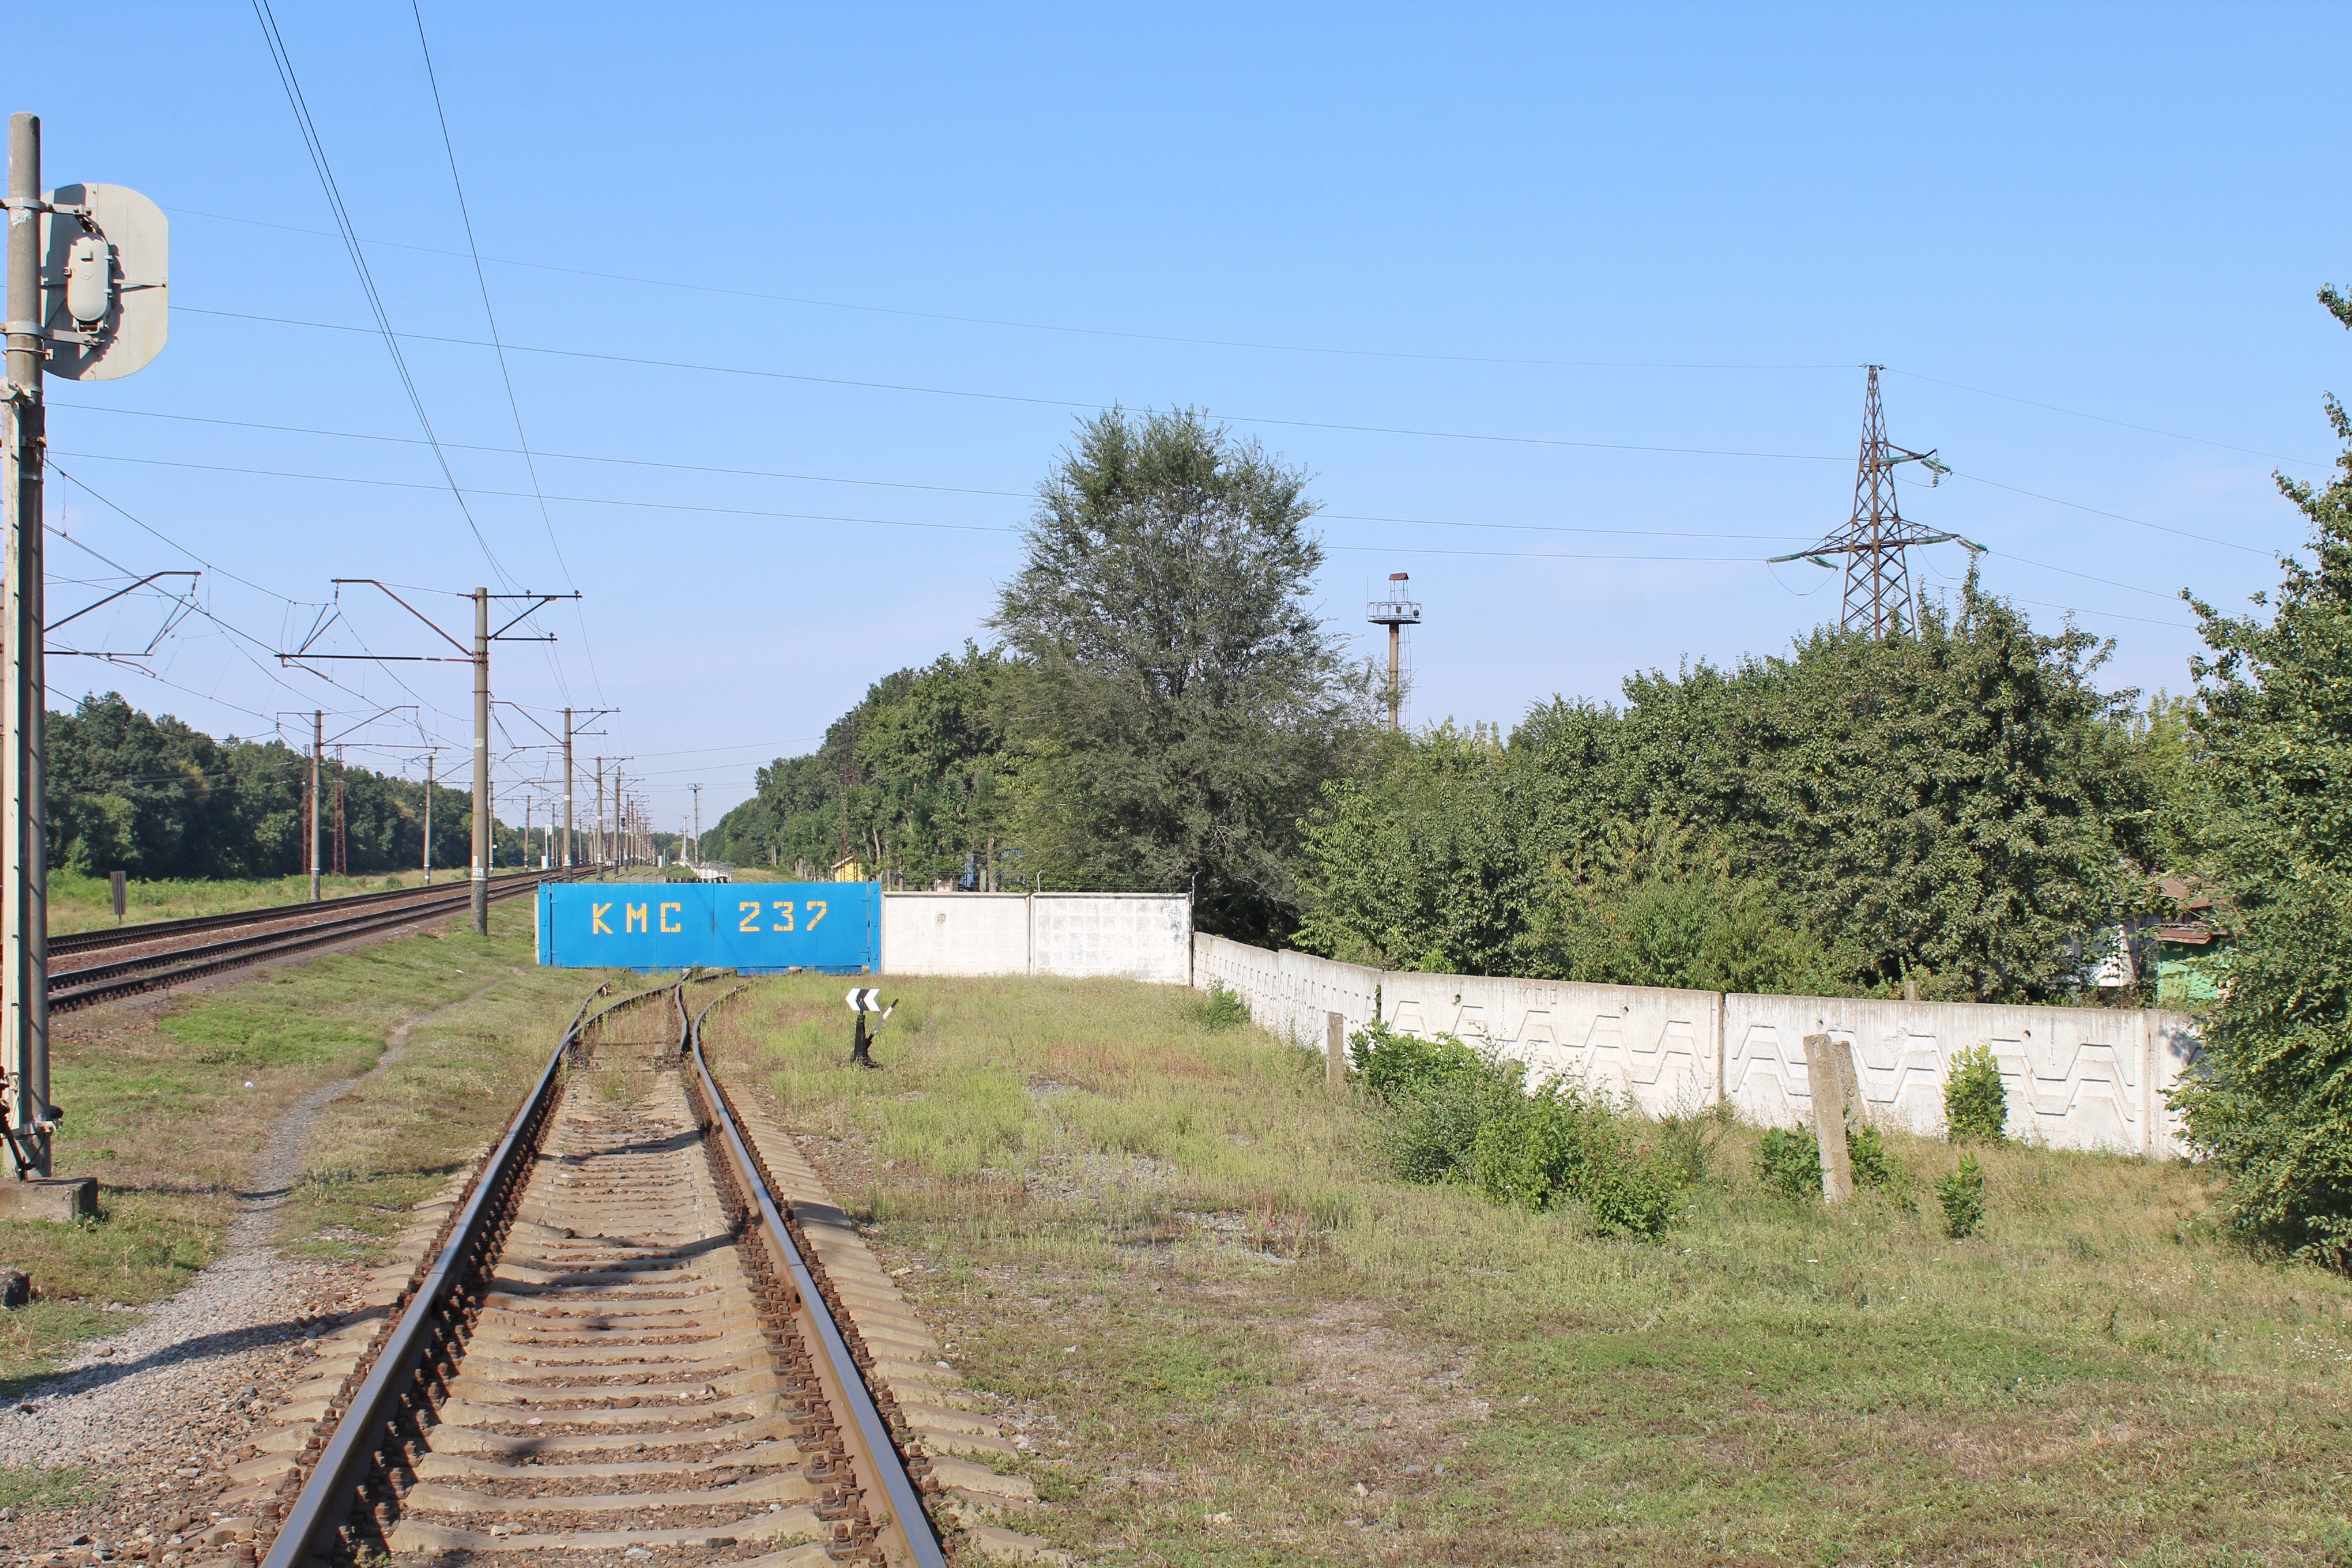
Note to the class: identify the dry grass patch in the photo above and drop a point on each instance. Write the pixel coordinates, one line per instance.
(1226, 1336)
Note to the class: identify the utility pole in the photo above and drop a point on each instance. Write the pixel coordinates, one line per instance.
(620, 820)
(1879, 602)
(566, 862)
(342, 847)
(697, 859)
(25, 924)
(481, 761)
(1396, 611)
(105, 312)
(318, 745)
(596, 839)
(428, 818)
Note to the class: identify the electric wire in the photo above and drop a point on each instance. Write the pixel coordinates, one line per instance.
(1241, 343)
(506, 375)
(317, 147)
(1028, 400)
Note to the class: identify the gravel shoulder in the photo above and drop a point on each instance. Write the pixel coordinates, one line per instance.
(154, 1416)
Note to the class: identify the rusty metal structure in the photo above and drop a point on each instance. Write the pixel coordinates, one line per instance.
(1879, 599)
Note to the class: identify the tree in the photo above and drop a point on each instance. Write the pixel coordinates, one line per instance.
(1941, 809)
(2271, 1096)
(911, 779)
(1184, 701)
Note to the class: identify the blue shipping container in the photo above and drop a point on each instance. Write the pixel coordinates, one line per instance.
(834, 927)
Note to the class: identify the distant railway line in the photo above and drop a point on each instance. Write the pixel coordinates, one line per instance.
(172, 952)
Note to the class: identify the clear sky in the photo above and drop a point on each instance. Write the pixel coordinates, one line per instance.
(1562, 308)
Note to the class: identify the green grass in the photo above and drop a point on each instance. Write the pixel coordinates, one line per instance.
(1265, 1321)
(168, 1110)
(86, 903)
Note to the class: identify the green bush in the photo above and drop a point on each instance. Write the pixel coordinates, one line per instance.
(1222, 1010)
(1975, 1106)
(1562, 1144)
(1454, 1113)
(1789, 1163)
(1392, 1067)
(1962, 1195)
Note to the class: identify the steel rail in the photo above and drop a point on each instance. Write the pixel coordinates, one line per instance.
(157, 930)
(335, 1483)
(127, 977)
(882, 1460)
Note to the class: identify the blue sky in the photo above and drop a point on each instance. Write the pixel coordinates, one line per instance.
(1582, 291)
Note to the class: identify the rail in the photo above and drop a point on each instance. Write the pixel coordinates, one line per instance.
(877, 1456)
(367, 1426)
(158, 931)
(383, 1422)
(104, 982)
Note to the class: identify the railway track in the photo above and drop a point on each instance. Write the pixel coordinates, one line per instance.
(275, 933)
(616, 1347)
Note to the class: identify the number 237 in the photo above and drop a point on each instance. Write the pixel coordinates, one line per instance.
(750, 908)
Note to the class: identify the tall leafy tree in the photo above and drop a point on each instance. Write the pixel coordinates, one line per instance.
(1939, 809)
(2272, 1097)
(1184, 700)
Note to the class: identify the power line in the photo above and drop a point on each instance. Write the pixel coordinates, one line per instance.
(2121, 423)
(317, 148)
(1026, 495)
(1033, 402)
(1243, 344)
(1023, 326)
(506, 375)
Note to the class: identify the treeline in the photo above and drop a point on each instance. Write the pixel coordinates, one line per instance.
(1161, 714)
(1959, 813)
(156, 798)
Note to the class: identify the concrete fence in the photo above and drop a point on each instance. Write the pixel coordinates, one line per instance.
(2078, 1077)
(1136, 936)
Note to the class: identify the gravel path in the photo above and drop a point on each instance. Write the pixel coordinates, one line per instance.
(159, 1411)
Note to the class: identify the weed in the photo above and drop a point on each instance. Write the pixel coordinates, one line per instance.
(1789, 1162)
(1975, 1106)
(1222, 1010)
(1962, 1197)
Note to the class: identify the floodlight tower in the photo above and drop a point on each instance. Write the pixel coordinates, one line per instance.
(1396, 611)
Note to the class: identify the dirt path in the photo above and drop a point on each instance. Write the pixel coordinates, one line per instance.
(170, 1393)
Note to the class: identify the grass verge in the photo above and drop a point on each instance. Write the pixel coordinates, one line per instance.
(1226, 1336)
(86, 903)
(169, 1105)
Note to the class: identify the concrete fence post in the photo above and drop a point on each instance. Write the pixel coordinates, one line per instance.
(1827, 1079)
(1334, 1049)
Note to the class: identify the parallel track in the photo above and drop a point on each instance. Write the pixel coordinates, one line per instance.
(616, 1345)
(285, 932)
(171, 929)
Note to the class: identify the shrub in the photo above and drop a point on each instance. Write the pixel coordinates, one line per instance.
(1962, 1195)
(1222, 1010)
(1454, 1113)
(1789, 1163)
(1562, 1144)
(1975, 1106)
(1392, 1067)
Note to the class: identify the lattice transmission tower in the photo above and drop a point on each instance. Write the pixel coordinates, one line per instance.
(1879, 600)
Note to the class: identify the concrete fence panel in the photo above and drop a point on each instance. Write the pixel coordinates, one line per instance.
(1138, 936)
(1134, 936)
(955, 933)
(2078, 1077)
(1658, 1045)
